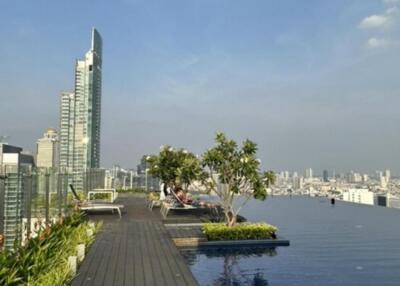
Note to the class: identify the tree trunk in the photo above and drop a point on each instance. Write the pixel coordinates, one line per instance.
(230, 218)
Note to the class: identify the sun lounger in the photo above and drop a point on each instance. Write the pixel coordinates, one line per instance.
(166, 206)
(90, 206)
(175, 203)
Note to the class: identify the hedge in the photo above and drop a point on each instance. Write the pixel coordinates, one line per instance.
(245, 231)
(134, 190)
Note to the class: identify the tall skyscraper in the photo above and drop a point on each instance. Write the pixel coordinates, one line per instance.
(47, 150)
(387, 175)
(309, 173)
(67, 113)
(325, 176)
(81, 114)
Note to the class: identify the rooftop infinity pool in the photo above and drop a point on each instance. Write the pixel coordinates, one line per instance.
(343, 244)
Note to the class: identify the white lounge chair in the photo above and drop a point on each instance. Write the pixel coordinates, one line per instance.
(168, 205)
(89, 206)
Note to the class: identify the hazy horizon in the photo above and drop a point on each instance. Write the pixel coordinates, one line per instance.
(313, 83)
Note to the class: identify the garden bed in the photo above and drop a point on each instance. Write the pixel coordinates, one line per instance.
(193, 236)
(44, 259)
(243, 231)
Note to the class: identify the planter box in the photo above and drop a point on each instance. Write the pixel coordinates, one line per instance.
(245, 243)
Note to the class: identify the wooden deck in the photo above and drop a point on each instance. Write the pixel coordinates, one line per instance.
(134, 250)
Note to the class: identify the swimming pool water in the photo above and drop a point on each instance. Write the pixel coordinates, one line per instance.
(344, 244)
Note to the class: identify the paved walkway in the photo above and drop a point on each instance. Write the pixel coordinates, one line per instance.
(134, 250)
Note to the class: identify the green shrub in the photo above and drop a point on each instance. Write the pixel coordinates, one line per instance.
(101, 196)
(153, 196)
(133, 190)
(43, 260)
(256, 231)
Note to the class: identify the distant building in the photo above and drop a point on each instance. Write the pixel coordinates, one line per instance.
(67, 129)
(381, 200)
(309, 173)
(121, 178)
(354, 177)
(393, 201)
(286, 175)
(47, 150)
(388, 200)
(387, 175)
(360, 196)
(80, 115)
(298, 183)
(143, 165)
(325, 176)
(383, 182)
(13, 164)
(144, 179)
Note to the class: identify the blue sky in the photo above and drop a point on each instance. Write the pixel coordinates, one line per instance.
(314, 83)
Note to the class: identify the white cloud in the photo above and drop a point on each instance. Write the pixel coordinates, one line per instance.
(381, 20)
(374, 43)
(374, 21)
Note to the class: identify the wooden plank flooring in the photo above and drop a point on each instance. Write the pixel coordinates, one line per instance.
(134, 250)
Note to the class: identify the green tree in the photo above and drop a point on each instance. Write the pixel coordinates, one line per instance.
(235, 174)
(176, 168)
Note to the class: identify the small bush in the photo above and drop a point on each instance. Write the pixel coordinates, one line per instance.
(256, 231)
(134, 190)
(101, 196)
(153, 196)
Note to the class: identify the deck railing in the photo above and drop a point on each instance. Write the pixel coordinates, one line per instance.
(31, 199)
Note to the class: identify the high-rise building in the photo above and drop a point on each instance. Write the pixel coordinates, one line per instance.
(387, 175)
(81, 114)
(309, 173)
(144, 179)
(325, 176)
(47, 150)
(67, 113)
(287, 175)
(298, 182)
(360, 196)
(13, 165)
(383, 182)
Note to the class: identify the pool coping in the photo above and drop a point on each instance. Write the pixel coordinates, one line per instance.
(200, 243)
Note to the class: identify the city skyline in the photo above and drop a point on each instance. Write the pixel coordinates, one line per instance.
(309, 96)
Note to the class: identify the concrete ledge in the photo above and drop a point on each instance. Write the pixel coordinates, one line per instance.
(202, 243)
(245, 243)
(189, 241)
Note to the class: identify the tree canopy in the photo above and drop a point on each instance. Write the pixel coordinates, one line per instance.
(176, 168)
(237, 170)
